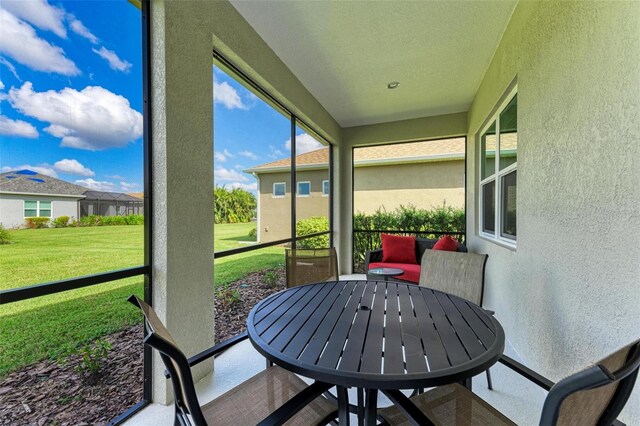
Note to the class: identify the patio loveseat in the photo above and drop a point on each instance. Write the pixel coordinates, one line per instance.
(374, 259)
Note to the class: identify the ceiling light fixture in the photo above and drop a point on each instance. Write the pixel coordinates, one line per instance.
(393, 85)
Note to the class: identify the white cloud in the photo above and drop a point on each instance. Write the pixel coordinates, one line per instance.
(39, 13)
(275, 153)
(96, 185)
(118, 177)
(19, 41)
(1, 85)
(304, 143)
(114, 61)
(245, 186)
(9, 65)
(222, 156)
(9, 127)
(78, 27)
(239, 166)
(226, 95)
(248, 154)
(127, 186)
(221, 173)
(73, 167)
(93, 118)
(43, 169)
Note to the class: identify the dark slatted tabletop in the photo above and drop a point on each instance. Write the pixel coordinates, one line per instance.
(375, 334)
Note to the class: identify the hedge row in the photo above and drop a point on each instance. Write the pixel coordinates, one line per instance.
(91, 220)
(420, 222)
(233, 206)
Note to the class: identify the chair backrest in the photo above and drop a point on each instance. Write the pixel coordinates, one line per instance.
(305, 266)
(159, 338)
(596, 395)
(457, 273)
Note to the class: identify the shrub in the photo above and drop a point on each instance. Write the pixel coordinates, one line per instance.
(93, 358)
(60, 222)
(5, 236)
(233, 206)
(37, 222)
(227, 297)
(91, 220)
(270, 278)
(311, 226)
(253, 232)
(134, 219)
(112, 220)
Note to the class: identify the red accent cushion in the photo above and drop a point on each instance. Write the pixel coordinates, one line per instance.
(398, 249)
(446, 243)
(411, 271)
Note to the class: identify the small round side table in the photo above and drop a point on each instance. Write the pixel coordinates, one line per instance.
(385, 272)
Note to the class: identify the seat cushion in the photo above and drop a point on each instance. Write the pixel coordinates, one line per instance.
(450, 405)
(411, 271)
(398, 249)
(253, 400)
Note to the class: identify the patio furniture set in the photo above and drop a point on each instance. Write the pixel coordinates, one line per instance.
(382, 336)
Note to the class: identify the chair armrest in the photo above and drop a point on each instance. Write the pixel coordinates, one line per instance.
(213, 351)
(527, 373)
(372, 256)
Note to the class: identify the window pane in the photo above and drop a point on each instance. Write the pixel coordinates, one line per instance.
(304, 188)
(30, 213)
(488, 207)
(45, 205)
(509, 134)
(488, 152)
(325, 187)
(279, 189)
(45, 213)
(509, 205)
(31, 205)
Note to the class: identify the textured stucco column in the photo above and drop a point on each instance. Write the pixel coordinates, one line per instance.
(182, 135)
(343, 206)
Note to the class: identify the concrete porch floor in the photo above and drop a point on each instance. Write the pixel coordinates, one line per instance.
(513, 395)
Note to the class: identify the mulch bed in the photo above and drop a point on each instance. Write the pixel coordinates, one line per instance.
(50, 393)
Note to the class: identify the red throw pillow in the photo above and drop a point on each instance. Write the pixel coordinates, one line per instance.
(398, 249)
(446, 243)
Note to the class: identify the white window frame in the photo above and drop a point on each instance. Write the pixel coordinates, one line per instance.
(326, 194)
(24, 202)
(496, 177)
(298, 188)
(273, 192)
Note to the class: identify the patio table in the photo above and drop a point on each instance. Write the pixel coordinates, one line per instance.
(377, 336)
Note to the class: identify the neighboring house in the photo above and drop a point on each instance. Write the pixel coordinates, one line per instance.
(25, 193)
(424, 174)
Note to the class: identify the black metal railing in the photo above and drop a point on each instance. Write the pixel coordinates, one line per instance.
(369, 239)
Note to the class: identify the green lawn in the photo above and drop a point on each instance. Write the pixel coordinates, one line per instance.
(51, 326)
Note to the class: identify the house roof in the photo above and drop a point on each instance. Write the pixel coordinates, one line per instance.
(30, 182)
(109, 196)
(438, 150)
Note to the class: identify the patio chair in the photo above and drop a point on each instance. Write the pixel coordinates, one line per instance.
(457, 273)
(593, 396)
(274, 392)
(305, 266)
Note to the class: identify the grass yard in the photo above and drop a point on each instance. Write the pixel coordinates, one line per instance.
(52, 326)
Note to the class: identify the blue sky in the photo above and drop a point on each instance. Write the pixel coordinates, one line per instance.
(71, 99)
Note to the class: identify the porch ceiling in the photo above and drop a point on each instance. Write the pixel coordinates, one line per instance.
(345, 53)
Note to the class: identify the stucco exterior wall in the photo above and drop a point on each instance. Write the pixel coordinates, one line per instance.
(424, 185)
(274, 218)
(570, 293)
(12, 208)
